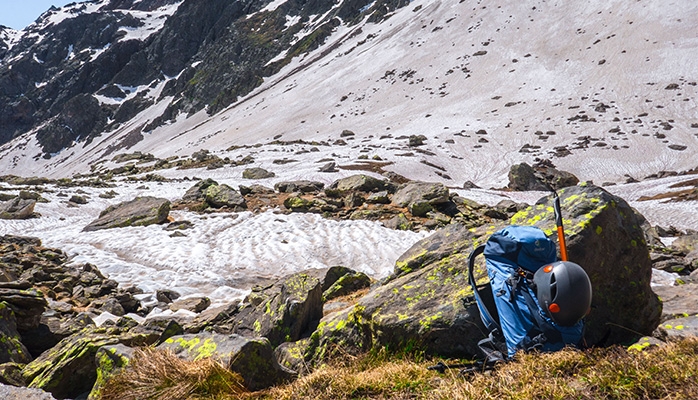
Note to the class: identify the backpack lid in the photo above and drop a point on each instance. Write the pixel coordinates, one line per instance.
(526, 246)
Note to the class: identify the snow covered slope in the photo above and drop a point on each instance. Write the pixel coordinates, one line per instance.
(603, 88)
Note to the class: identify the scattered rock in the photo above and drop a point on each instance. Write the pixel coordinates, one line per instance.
(257, 173)
(193, 304)
(17, 208)
(299, 186)
(358, 183)
(329, 167)
(141, 211)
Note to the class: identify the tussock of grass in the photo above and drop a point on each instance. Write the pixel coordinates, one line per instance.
(161, 375)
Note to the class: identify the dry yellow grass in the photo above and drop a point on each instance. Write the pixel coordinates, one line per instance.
(155, 374)
(667, 372)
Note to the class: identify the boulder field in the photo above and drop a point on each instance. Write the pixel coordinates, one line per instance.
(48, 307)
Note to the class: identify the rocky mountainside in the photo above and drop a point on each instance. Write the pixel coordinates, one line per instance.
(605, 89)
(73, 74)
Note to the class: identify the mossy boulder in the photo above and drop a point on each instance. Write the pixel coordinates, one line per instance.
(422, 305)
(68, 369)
(218, 196)
(252, 358)
(197, 192)
(347, 284)
(11, 348)
(283, 311)
(109, 360)
(141, 211)
(605, 237)
(423, 310)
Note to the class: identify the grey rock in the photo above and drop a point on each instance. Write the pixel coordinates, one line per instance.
(193, 304)
(257, 173)
(302, 186)
(252, 358)
(420, 197)
(361, 183)
(21, 393)
(17, 208)
(141, 211)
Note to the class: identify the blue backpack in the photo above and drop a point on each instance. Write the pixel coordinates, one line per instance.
(508, 304)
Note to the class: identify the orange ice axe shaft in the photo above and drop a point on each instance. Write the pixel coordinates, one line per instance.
(560, 228)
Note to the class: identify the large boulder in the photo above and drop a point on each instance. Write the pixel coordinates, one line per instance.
(257, 173)
(541, 177)
(218, 196)
(109, 360)
(605, 237)
(69, 369)
(358, 183)
(252, 358)
(283, 311)
(141, 211)
(522, 177)
(420, 197)
(17, 208)
(423, 304)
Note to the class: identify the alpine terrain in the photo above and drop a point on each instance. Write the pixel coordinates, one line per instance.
(281, 183)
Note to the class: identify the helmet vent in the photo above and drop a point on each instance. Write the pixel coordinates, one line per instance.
(553, 287)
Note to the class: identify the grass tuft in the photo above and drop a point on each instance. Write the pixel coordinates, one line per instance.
(161, 375)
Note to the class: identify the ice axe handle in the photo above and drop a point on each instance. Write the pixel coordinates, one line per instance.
(560, 228)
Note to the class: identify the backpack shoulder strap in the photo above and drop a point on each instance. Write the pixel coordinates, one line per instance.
(490, 323)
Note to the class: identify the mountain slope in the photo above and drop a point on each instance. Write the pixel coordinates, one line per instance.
(603, 89)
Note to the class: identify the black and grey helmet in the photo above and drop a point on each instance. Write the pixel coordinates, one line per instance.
(564, 292)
